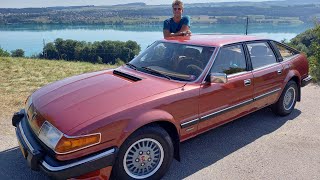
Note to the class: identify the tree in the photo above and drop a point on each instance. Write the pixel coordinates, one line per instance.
(50, 51)
(98, 52)
(17, 53)
(4, 53)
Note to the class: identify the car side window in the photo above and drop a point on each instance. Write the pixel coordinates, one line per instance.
(261, 54)
(230, 60)
(285, 52)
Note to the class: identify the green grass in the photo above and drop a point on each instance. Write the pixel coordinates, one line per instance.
(19, 77)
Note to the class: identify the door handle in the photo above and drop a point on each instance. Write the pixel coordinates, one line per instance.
(279, 71)
(247, 82)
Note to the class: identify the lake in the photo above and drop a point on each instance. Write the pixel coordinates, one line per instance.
(31, 38)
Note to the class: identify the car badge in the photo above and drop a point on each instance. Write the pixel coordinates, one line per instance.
(34, 115)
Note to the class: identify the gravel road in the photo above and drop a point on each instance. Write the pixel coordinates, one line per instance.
(257, 146)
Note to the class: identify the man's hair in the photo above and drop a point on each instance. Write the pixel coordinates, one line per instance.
(177, 3)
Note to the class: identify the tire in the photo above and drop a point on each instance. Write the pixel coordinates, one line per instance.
(287, 100)
(146, 154)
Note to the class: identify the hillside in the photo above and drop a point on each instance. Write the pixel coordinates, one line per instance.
(280, 12)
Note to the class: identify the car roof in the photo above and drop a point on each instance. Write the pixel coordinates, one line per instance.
(212, 39)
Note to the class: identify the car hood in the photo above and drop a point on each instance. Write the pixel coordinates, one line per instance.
(73, 101)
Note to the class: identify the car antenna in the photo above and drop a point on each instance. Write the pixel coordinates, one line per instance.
(247, 25)
(182, 88)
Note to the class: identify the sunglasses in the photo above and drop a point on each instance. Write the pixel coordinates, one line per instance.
(175, 9)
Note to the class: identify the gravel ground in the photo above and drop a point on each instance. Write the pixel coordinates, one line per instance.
(257, 146)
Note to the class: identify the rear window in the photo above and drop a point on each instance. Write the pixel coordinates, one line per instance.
(261, 54)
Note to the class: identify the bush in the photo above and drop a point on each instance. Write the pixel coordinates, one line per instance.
(309, 43)
(17, 53)
(99, 60)
(119, 62)
(4, 53)
(314, 67)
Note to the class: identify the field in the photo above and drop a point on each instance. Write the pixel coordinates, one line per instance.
(20, 77)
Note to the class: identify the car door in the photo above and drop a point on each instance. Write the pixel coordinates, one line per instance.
(268, 73)
(222, 102)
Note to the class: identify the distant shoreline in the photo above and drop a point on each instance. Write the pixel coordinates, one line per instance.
(268, 12)
(154, 24)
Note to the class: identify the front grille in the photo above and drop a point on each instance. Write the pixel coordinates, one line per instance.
(35, 119)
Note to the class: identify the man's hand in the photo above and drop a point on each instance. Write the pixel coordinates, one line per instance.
(185, 33)
(166, 33)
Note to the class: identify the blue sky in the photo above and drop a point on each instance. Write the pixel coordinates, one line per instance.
(48, 3)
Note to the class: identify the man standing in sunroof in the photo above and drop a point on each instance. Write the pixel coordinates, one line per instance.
(178, 25)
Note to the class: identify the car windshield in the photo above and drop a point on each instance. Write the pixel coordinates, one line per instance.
(173, 61)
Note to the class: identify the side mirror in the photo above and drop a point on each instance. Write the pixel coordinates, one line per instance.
(217, 78)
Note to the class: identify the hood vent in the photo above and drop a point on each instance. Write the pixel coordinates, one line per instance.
(127, 76)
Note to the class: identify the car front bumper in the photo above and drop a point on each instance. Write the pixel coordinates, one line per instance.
(38, 159)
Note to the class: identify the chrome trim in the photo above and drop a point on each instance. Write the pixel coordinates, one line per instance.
(239, 73)
(190, 129)
(203, 118)
(305, 81)
(247, 82)
(81, 137)
(307, 78)
(266, 94)
(266, 66)
(25, 138)
(290, 58)
(228, 108)
(189, 123)
(218, 78)
(28, 104)
(279, 71)
(59, 168)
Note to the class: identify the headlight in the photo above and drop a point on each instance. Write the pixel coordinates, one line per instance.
(49, 135)
(63, 144)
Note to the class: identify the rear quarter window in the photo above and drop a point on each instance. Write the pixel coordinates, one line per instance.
(285, 52)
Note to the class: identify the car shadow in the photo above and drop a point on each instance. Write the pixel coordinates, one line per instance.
(14, 166)
(208, 148)
(196, 154)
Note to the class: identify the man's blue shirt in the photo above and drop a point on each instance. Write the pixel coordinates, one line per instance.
(174, 27)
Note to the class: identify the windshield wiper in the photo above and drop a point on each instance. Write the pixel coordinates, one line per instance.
(132, 66)
(156, 72)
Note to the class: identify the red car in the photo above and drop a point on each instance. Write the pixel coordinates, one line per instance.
(127, 123)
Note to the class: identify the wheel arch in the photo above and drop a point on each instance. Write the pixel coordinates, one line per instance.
(158, 118)
(294, 76)
(297, 81)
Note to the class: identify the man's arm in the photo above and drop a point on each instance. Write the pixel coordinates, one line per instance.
(185, 30)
